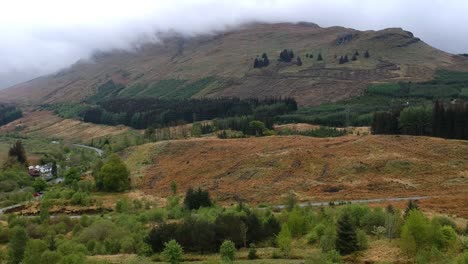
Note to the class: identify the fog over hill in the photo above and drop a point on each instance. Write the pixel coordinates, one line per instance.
(51, 34)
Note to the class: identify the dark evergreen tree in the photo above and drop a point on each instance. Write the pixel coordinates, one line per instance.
(299, 61)
(341, 61)
(17, 153)
(346, 241)
(354, 58)
(286, 55)
(256, 63)
(196, 199)
(319, 57)
(438, 120)
(356, 53)
(54, 169)
(266, 61)
(412, 205)
(367, 54)
(307, 55)
(345, 59)
(385, 123)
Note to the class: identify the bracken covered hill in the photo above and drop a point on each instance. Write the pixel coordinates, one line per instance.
(264, 170)
(221, 64)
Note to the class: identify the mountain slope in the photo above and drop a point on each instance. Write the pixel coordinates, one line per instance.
(264, 170)
(222, 65)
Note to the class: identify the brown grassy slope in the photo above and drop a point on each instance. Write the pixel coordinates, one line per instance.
(46, 124)
(228, 56)
(264, 170)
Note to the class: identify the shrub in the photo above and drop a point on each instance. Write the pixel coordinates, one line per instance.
(284, 240)
(362, 240)
(415, 233)
(69, 247)
(72, 176)
(297, 222)
(80, 198)
(33, 251)
(448, 237)
(252, 252)
(17, 245)
(50, 257)
(113, 176)
(373, 219)
(127, 245)
(85, 186)
(39, 185)
(122, 206)
(379, 231)
(227, 251)
(172, 252)
(196, 199)
(330, 257)
(328, 239)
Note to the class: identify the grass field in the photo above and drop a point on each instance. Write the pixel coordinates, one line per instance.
(44, 124)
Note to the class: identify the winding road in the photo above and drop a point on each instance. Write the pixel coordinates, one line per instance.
(363, 201)
(311, 204)
(100, 152)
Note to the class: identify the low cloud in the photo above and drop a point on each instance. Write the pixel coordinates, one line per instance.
(39, 37)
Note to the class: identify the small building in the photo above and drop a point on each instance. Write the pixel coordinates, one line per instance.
(44, 171)
(34, 172)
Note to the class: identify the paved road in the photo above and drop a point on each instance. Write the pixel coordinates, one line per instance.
(100, 152)
(311, 204)
(376, 200)
(2, 210)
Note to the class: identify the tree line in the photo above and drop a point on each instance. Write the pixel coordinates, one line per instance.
(445, 121)
(152, 112)
(9, 113)
(198, 235)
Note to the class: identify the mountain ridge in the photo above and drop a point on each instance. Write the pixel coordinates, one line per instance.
(226, 59)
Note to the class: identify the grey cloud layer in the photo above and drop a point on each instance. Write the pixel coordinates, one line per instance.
(38, 37)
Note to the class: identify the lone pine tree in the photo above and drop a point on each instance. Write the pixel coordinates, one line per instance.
(346, 242)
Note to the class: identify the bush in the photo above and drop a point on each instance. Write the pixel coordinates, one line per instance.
(252, 252)
(34, 250)
(227, 251)
(172, 252)
(415, 233)
(297, 222)
(328, 239)
(362, 240)
(80, 198)
(113, 176)
(122, 206)
(17, 245)
(330, 257)
(39, 185)
(196, 199)
(284, 240)
(50, 257)
(127, 245)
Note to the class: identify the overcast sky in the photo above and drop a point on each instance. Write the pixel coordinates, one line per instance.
(41, 36)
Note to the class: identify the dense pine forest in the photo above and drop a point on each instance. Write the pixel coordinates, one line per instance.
(9, 113)
(152, 112)
(442, 120)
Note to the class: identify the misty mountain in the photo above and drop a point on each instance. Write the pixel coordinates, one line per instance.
(222, 64)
